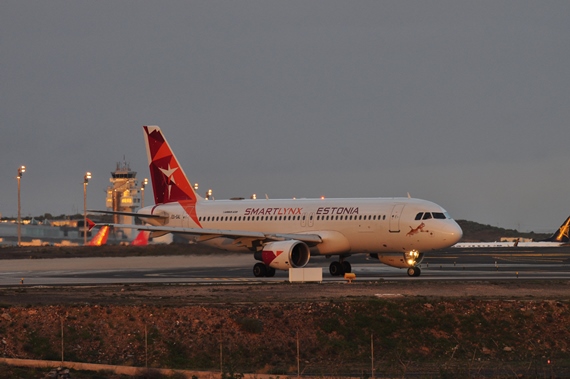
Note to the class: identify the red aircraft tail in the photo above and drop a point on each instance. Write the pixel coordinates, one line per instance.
(169, 183)
(101, 237)
(141, 239)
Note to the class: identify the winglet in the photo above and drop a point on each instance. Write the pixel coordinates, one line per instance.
(90, 224)
(169, 182)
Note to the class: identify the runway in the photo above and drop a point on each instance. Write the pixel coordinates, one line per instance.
(451, 264)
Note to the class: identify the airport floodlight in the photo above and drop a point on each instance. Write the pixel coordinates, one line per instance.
(21, 170)
(144, 183)
(196, 186)
(86, 178)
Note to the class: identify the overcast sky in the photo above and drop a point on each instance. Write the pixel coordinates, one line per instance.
(466, 104)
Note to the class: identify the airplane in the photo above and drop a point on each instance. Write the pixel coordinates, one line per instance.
(283, 233)
(560, 237)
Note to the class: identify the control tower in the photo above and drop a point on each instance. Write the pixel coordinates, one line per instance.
(123, 195)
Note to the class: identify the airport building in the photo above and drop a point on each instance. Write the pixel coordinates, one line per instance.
(124, 195)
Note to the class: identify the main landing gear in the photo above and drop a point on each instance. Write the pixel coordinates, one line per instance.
(338, 268)
(414, 271)
(260, 270)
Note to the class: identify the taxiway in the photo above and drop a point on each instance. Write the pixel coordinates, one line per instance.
(451, 264)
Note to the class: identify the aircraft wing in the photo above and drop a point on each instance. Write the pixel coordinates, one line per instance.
(310, 239)
(134, 214)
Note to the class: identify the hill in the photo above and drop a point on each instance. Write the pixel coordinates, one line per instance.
(475, 232)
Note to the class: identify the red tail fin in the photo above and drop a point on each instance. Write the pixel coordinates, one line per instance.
(169, 183)
(101, 237)
(141, 239)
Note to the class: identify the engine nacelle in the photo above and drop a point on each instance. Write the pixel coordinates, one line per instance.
(283, 255)
(400, 260)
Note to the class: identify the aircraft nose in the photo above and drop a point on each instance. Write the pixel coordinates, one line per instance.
(455, 233)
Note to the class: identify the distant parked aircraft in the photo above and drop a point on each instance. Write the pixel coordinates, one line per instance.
(100, 238)
(558, 238)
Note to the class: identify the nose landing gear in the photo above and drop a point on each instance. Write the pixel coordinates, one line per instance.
(414, 271)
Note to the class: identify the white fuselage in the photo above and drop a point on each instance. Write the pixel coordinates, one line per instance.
(347, 226)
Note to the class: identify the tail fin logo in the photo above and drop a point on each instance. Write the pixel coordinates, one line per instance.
(169, 177)
(563, 232)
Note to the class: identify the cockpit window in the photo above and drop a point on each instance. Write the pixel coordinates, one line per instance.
(439, 215)
(419, 216)
(427, 216)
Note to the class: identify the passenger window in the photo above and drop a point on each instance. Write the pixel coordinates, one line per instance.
(419, 216)
(427, 216)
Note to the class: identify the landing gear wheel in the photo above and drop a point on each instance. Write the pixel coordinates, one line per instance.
(269, 272)
(259, 270)
(346, 267)
(336, 269)
(414, 271)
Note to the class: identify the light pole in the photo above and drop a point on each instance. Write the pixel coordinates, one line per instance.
(86, 178)
(21, 170)
(144, 183)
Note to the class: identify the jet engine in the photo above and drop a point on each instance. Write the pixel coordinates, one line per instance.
(284, 255)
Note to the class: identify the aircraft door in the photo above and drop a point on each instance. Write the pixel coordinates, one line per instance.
(310, 221)
(303, 220)
(395, 218)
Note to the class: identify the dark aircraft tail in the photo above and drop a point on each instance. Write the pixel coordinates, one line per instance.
(562, 234)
